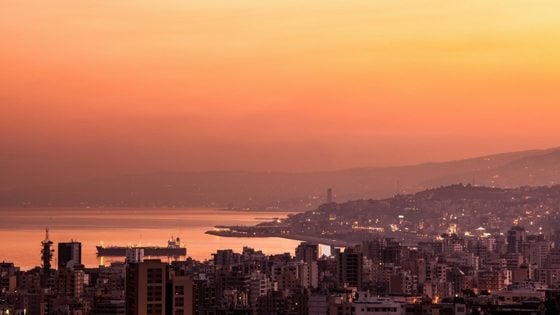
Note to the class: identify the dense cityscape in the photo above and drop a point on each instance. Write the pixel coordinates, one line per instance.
(245, 157)
(412, 218)
(449, 268)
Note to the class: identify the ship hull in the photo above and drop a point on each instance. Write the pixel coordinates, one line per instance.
(148, 251)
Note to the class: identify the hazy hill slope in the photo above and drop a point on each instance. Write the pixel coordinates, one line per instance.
(292, 190)
(534, 170)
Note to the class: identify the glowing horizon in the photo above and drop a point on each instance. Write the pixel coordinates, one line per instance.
(99, 88)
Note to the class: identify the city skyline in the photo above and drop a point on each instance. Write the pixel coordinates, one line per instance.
(279, 157)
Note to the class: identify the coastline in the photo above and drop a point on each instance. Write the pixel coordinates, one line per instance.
(295, 237)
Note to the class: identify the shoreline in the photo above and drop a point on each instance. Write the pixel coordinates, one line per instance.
(295, 237)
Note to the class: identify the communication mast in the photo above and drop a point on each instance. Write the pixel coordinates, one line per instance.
(46, 258)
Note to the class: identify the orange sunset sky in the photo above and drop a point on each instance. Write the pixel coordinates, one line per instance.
(102, 88)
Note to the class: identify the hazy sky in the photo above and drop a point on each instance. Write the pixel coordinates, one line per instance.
(96, 88)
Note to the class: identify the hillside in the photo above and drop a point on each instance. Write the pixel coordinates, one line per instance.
(300, 191)
(413, 217)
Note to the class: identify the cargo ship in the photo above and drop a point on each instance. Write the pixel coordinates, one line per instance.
(173, 249)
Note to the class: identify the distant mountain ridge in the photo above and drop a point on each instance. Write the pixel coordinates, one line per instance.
(301, 191)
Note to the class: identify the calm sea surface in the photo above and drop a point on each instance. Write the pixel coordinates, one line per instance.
(22, 230)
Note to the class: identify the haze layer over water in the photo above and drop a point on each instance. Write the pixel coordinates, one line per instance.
(22, 230)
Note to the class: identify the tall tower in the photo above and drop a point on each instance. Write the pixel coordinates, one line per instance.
(329, 195)
(69, 254)
(46, 257)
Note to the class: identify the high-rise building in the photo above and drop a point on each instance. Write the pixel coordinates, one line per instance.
(307, 252)
(69, 282)
(180, 295)
(204, 294)
(392, 251)
(261, 284)
(516, 236)
(350, 267)
(373, 249)
(225, 258)
(8, 274)
(285, 276)
(145, 287)
(69, 254)
(308, 274)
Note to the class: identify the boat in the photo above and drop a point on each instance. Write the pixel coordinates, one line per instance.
(173, 249)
